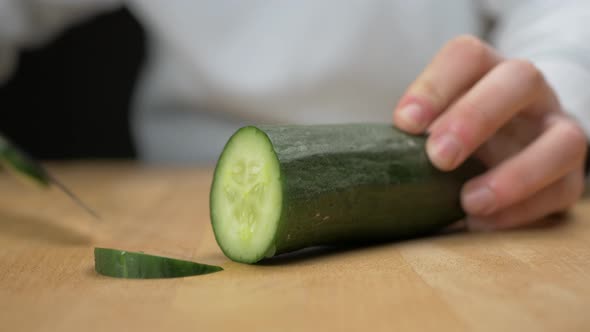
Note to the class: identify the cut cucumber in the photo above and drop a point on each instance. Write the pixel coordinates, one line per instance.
(136, 265)
(281, 188)
(246, 197)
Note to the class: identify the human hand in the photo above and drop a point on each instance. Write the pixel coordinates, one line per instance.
(472, 101)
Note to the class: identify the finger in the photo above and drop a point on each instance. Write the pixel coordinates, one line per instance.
(521, 131)
(461, 63)
(475, 117)
(554, 198)
(559, 150)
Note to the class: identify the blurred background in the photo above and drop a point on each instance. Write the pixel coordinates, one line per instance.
(71, 97)
(170, 82)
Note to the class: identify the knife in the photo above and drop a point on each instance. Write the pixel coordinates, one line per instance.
(15, 159)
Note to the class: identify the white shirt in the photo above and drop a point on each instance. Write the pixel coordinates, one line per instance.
(216, 65)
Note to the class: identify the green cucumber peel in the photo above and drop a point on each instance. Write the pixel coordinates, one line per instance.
(137, 265)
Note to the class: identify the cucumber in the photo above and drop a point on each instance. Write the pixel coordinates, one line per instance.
(136, 265)
(282, 188)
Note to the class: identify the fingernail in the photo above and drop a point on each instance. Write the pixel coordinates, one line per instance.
(480, 200)
(413, 117)
(480, 225)
(445, 151)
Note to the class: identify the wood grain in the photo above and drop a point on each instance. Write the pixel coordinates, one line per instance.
(527, 280)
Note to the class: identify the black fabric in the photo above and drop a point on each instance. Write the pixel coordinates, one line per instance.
(71, 98)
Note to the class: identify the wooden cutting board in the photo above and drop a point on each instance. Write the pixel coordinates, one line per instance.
(527, 280)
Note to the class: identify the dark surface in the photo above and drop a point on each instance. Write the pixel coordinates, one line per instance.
(71, 98)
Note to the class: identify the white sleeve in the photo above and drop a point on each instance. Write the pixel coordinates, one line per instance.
(28, 23)
(555, 35)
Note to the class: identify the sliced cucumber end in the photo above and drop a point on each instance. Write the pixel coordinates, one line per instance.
(246, 196)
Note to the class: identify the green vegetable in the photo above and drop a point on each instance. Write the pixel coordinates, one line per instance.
(135, 265)
(281, 188)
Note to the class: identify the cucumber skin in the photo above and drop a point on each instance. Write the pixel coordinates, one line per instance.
(360, 183)
(135, 265)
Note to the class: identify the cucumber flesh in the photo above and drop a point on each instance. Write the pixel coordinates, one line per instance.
(136, 265)
(246, 196)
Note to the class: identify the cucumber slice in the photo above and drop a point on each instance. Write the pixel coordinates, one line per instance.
(282, 188)
(246, 196)
(136, 265)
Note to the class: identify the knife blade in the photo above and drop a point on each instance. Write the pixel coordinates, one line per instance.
(22, 164)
